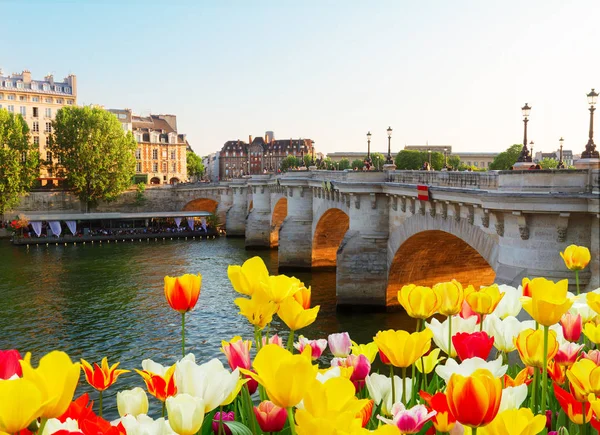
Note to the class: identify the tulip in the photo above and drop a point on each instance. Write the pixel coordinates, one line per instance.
(510, 304)
(380, 390)
(303, 296)
(101, 377)
(218, 420)
(442, 330)
(284, 376)
(22, 402)
(475, 344)
(340, 344)
(443, 421)
(576, 257)
(258, 310)
(402, 348)
(503, 331)
(133, 402)
(280, 287)
(270, 417)
(419, 302)
(162, 384)
(142, 424)
(521, 378)
(295, 316)
(557, 372)
(584, 377)
(247, 279)
(592, 355)
(580, 306)
(335, 371)
(366, 413)
(274, 339)
(57, 377)
(429, 361)
(451, 296)
(186, 413)
(517, 421)
(237, 352)
(571, 326)
(567, 354)
(9, 364)
(55, 426)
(360, 368)
(513, 397)
(592, 332)
(530, 324)
(466, 312)
(592, 299)
(548, 301)
(485, 300)
(369, 350)
(409, 420)
(317, 346)
(531, 347)
(470, 366)
(474, 400)
(573, 408)
(182, 293)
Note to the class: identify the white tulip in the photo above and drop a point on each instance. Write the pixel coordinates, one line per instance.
(513, 397)
(380, 390)
(133, 402)
(510, 304)
(186, 413)
(210, 381)
(144, 425)
(333, 372)
(503, 331)
(440, 330)
(468, 366)
(54, 425)
(581, 307)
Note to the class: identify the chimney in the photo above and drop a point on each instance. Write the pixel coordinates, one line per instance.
(249, 138)
(49, 78)
(26, 76)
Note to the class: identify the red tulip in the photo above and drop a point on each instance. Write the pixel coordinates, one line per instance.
(571, 326)
(89, 422)
(270, 417)
(571, 406)
(567, 354)
(476, 344)
(182, 292)
(101, 377)
(384, 359)
(443, 421)
(9, 364)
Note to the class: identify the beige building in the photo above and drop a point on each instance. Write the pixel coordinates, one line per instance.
(479, 160)
(161, 154)
(38, 101)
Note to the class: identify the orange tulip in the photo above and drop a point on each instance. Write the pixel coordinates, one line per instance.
(474, 400)
(366, 412)
(160, 387)
(520, 378)
(182, 292)
(101, 377)
(303, 296)
(572, 407)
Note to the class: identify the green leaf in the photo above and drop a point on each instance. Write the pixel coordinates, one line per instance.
(237, 428)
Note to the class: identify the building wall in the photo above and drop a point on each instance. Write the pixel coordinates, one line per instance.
(479, 160)
(162, 162)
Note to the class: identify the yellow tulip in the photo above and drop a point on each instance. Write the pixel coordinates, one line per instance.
(285, 377)
(474, 400)
(247, 278)
(576, 257)
(515, 422)
(279, 287)
(530, 344)
(584, 377)
(485, 300)
(419, 302)
(430, 361)
(369, 350)
(21, 402)
(451, 295)
(594, 403)
(548, 301)
(258, 309)
(593, 301)
(592, 332)
(295, 316)
(56, 377)
(234, 393)
(401, 348)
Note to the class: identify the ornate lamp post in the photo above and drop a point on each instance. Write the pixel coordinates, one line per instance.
(429, 152)
(590, 148)
(561, 164)
(369, 147)
(525, 156)
(389, 160)
(531, 151)
(312, 160)
(445, 158)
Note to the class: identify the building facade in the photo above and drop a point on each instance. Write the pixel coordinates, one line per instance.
(352, 155)
(567, 156)
(211, 167)
(259, 155)
(38, 101)
(476, 159)
(161, 153)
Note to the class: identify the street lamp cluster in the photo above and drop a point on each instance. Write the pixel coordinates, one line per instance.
(388, 160)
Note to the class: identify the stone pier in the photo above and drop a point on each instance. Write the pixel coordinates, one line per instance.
(236, 214)
(258, 223)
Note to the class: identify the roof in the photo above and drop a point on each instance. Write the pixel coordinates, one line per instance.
(35, 217)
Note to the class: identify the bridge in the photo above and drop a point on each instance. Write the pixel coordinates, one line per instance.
(476, 227)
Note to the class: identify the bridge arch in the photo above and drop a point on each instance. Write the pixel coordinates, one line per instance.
(425, 251)
(202, 204)
(279, 214)
(328, 234)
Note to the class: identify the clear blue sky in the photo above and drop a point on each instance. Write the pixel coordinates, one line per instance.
(447, 72)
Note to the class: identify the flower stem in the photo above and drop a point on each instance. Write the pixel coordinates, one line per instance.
(393, 385)
(99, 405)
(183, 334)
(474, 431)
(449, 336)
(163, 408)
(221, 431)
(403, 385)
(257, 338)
(290, 343)
(577, 281)
(536, 381)
(42, 425)
(545, 371)
(290, 411)
(583, 426)
(480, 330)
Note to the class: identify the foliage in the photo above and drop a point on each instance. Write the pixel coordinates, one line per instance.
(454, 162)
(289, 162)
(413, 159)
(547, 163)
(19, 160)
(343, 164)
(98, 159)
(378, 160)
(195, 167)
(307, 160)
(140, 198)
(358, 163)
(327, 163)
(213, 221)
(506, 159)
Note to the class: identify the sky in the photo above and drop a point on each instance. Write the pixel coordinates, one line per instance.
(438, 72)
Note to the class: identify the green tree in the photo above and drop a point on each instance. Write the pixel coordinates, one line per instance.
(140, 198)
(358, 163)
(343, 164)
(195, 167)
(307, 160)
(547, 163)
(289, 162)
(413, 159)
(327, 163)
(506, 159)
(378, 160)
(98, 159)
(454, 162)
(19, 160)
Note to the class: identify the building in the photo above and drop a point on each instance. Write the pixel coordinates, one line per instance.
(238, 158)
(161, 153)
(211, 167)
(351, 156)
(38, 101)
(476, 159)
(568, 157)
(432, 148)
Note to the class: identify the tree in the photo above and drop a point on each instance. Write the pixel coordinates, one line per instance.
(19, 160)
(413, 159)
(358, 163)
(343, 164)
(506, 159)
(454, 162)
(378, 160)
(195, 167)
(98, 159)
(547, 163)
(289, 162)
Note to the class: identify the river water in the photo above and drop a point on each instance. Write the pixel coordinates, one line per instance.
(97, 300)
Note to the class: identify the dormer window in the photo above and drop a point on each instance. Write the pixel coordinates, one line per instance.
(8, 84)
(19, 85)
(34, 86)
(46, 87)
(58, 88)
(67, 90)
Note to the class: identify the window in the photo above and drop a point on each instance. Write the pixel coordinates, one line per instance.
(59, 101)
(8, 84)
(35, 87)
(59, 160)
(138, 153)
(58, 88)
(154, 167)
(155, 155)
(49, 100)
(35, 112)
(24, 156)
(11, 108)
(46, 87)
(23, 110)
(36, 140)
(122, 116)
(69, 101)
(19, 85)
(22, 98)
(11, 97)
(138, 167)
(48, 112)
(164, 154)
(173, 154)
(35, 99)
(67, 90)
(468, 163)
(48, 127)
(48, 156)
(35, 126)
(164, 167)
(475, 164)
(174, 167)
(1, 96)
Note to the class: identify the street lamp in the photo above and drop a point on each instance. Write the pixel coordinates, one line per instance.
(429, 152)
(389, 160)
(445, 158)
(525, 156)
(369, 147)
(590, 149)
(561, 164)
(531, 151)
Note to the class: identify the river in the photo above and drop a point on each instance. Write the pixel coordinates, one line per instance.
(98, 300)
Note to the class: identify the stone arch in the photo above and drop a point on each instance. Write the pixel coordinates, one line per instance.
(425, 251)
(174, 180)
(328, 234)
(155, 180)
(201, 204)
(279, 214)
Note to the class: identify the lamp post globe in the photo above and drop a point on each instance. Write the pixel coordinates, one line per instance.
(561, 164)
(590, 148)
(389, 160)
(525, 156)
(369, 147)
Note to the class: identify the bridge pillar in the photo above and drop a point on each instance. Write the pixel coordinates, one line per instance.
(361, 274)
(258, 223)
(236, 214)
(225, 203)
(295, 234)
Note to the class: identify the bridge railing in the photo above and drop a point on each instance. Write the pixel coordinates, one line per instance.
(472, 180)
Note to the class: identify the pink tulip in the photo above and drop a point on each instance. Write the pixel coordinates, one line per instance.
(567, 354)
(275, 339)
(226, 416)
(339, 344)
(571, 326)
(270, 417)
(317, 346)
(409, 420)
(361, 368)
(237, 352)
(593, 355)
(9, 364)
(467, 312)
